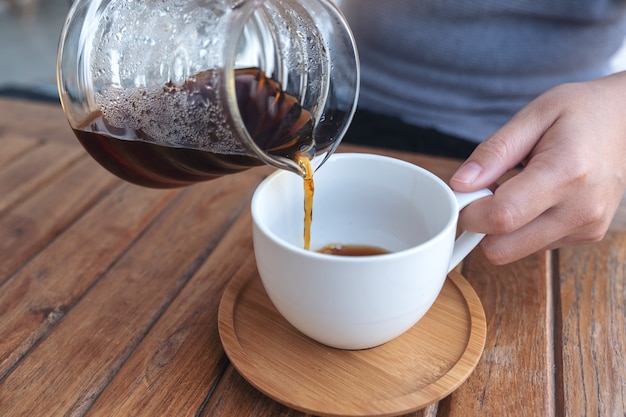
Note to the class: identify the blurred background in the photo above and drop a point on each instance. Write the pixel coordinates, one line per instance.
(29, 35)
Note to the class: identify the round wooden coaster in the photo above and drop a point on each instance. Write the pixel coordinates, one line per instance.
(423, 365)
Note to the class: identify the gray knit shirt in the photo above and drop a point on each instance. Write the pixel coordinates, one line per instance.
(465, 67)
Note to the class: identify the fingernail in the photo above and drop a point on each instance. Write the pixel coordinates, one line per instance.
(468, 173)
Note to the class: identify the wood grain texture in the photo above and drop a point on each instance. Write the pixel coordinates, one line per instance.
(38, 295)
(408, 373)
(184, 337)
(109, 296)
(98, 333)
(15, 145)
(518, 355)
(43, 215)
(32, 170)
(35, 121)
(593, 328)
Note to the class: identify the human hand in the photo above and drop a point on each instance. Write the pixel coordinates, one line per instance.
(572, 143)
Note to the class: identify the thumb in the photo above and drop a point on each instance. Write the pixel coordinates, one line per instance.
(503, 150)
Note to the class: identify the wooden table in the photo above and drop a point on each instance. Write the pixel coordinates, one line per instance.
(109, 297)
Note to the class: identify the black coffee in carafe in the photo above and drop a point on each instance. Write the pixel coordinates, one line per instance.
(275, 120)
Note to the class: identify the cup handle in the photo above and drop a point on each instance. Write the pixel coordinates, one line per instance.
(467, 241)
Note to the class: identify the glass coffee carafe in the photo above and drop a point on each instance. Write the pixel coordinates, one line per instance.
(166, 93)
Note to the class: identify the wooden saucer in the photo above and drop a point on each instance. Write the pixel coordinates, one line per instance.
(423, 365)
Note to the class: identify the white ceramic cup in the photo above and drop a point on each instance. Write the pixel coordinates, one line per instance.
(360, 199)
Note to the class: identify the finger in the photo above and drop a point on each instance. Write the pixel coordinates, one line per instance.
(540, 234)
(551, 230)
(516, 202)
(505, 149)
(504, 249)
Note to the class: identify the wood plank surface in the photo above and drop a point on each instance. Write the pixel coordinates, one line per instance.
(37, 297)
(592, 328)
(14, 145)
(98, 334)
(39, 121)
(518, 354)
(32, 224)
(185, 336)
(109, 295)
(32, 170)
